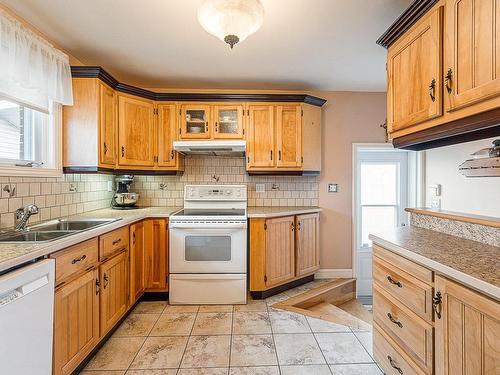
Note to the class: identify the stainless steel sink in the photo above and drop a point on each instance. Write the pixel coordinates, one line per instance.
(33, 236)
(69, 225)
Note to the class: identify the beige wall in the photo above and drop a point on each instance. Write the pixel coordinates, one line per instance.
(348, 117)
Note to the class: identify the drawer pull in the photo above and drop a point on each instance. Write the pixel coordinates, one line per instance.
(97, 286)
(79, 259)
(396, 322)
(115, 242)
(436, 304)
(394, 365)
(392, 281)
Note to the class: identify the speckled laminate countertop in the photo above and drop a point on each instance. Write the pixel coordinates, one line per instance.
(268, 212)
(14, 254)
(472, 263)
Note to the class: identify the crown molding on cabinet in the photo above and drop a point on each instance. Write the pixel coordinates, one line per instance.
(416, 10)
(99, 72)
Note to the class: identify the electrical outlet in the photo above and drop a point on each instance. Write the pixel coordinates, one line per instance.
(333, 188)
(110, 185)
(260, 188)
(436, 203)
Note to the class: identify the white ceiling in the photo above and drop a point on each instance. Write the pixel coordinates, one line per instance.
(303, 44)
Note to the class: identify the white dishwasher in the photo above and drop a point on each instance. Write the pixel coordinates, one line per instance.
(26, 319)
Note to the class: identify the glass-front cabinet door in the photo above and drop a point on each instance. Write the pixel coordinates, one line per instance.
(228, 121)
(195, 121)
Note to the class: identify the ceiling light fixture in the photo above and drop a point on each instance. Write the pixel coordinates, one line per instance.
(231, 21)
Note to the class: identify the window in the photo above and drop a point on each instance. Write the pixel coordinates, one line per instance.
(28, 139)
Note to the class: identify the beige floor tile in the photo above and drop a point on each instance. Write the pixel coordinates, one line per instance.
(160, 353)
(320, 325)
(288, 322)
(174, 324)
(150, 307)
(305, 370)
(253, 323)
(298, 349)
(217, 323)
(253, 350)
(181, 308)
(207, 351)
(366, 339)
(252, 305)
(356, 369)
(215, 308)
(342, 348)
(276, 298)
(116, 354)
(136, 325)
(152, 372)
(261, 370)
(203, 371)
(85, 372)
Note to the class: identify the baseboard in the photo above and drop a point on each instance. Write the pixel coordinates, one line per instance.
(333, 273)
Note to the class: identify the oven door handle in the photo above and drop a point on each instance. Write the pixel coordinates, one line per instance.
(206, 226)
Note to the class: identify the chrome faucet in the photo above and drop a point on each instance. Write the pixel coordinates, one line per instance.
(23, 214)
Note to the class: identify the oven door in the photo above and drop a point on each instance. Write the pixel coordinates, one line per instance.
(201, 248)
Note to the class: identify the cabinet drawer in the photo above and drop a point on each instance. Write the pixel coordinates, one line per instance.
(410, 291)
(390, 357)
(75, 259)
(112, 242)
(409, 331)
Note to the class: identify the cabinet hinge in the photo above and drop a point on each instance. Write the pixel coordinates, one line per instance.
(243, 131)
(248, 159)
(301, 159)
(179, 130)
(302, 112)
(248, 112)
(180, 112)
(265, 226)
(265, 278)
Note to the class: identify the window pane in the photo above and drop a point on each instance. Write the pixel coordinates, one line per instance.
(379, 183)
(208, 248)
(376, 219)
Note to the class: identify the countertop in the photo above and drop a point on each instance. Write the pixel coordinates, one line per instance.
(14, 254)
(269, 212)
(469, 262)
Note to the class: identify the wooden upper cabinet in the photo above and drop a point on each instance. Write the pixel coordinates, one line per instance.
(136, 132)
(195, 121)
(107, 125)
(472, 59)
(467, 334)
(414, 74)
(289, 136)
(228, 121)
(167, 133)
(156, 254)
(307, 239)
(260, 138)
(280, 250)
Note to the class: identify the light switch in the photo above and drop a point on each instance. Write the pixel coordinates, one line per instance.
(333, 188)
(260, 188)
(110, 185)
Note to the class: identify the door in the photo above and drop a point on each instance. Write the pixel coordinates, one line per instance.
(467, 332)
(280, 250)
(156, 266)
(107, 125)
(114, 277)
(167, 127)
(289, 136)
(195, 121)
(414, 74)
(76, 322)
(381, 197)
(307, 237)
(472, 53)
(260, 139)
(228, 121)
(135, 132)
(136, 261)
(200, 248)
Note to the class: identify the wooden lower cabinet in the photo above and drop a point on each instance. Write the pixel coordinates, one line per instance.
(76, 322)
(307, 243)
(114, 277)
(280, 250)
(467, 333)
(156, 250)
(137, 240)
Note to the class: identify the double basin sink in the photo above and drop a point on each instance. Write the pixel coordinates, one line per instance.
(52, 230)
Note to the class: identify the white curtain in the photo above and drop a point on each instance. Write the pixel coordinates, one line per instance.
(32, 71)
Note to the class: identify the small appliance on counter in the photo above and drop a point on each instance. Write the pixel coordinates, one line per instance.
(124, 199)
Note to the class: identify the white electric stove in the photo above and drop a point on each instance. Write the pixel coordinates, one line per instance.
(208, 246)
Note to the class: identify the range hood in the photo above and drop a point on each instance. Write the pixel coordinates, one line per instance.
(212, 148)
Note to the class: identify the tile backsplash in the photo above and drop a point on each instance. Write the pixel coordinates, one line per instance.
(279, 190)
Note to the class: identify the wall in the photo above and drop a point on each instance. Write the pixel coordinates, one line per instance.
(478, 195)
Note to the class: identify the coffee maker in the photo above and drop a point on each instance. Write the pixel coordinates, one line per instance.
(123, 199)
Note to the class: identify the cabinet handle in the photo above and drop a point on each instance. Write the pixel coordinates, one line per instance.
(436, 304)
(206, 127)
(172, 154)
(105, 148)
(394, 365)
(97, 286)
(133, 238)
(115, 242)
(123, 151)
(298, 225)
(216, 127)
(279, 155)
(79, 259)
(432, 90)
(396, 322)
(106, 280)
(448, 80)
(271, 154)
(293, 227)
(392, 281)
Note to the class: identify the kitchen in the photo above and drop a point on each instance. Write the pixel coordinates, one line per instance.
(179, 218)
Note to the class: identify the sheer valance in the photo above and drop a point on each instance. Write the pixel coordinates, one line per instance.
(32, 71)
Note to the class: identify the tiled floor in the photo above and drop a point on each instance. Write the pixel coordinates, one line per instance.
(255, 339)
